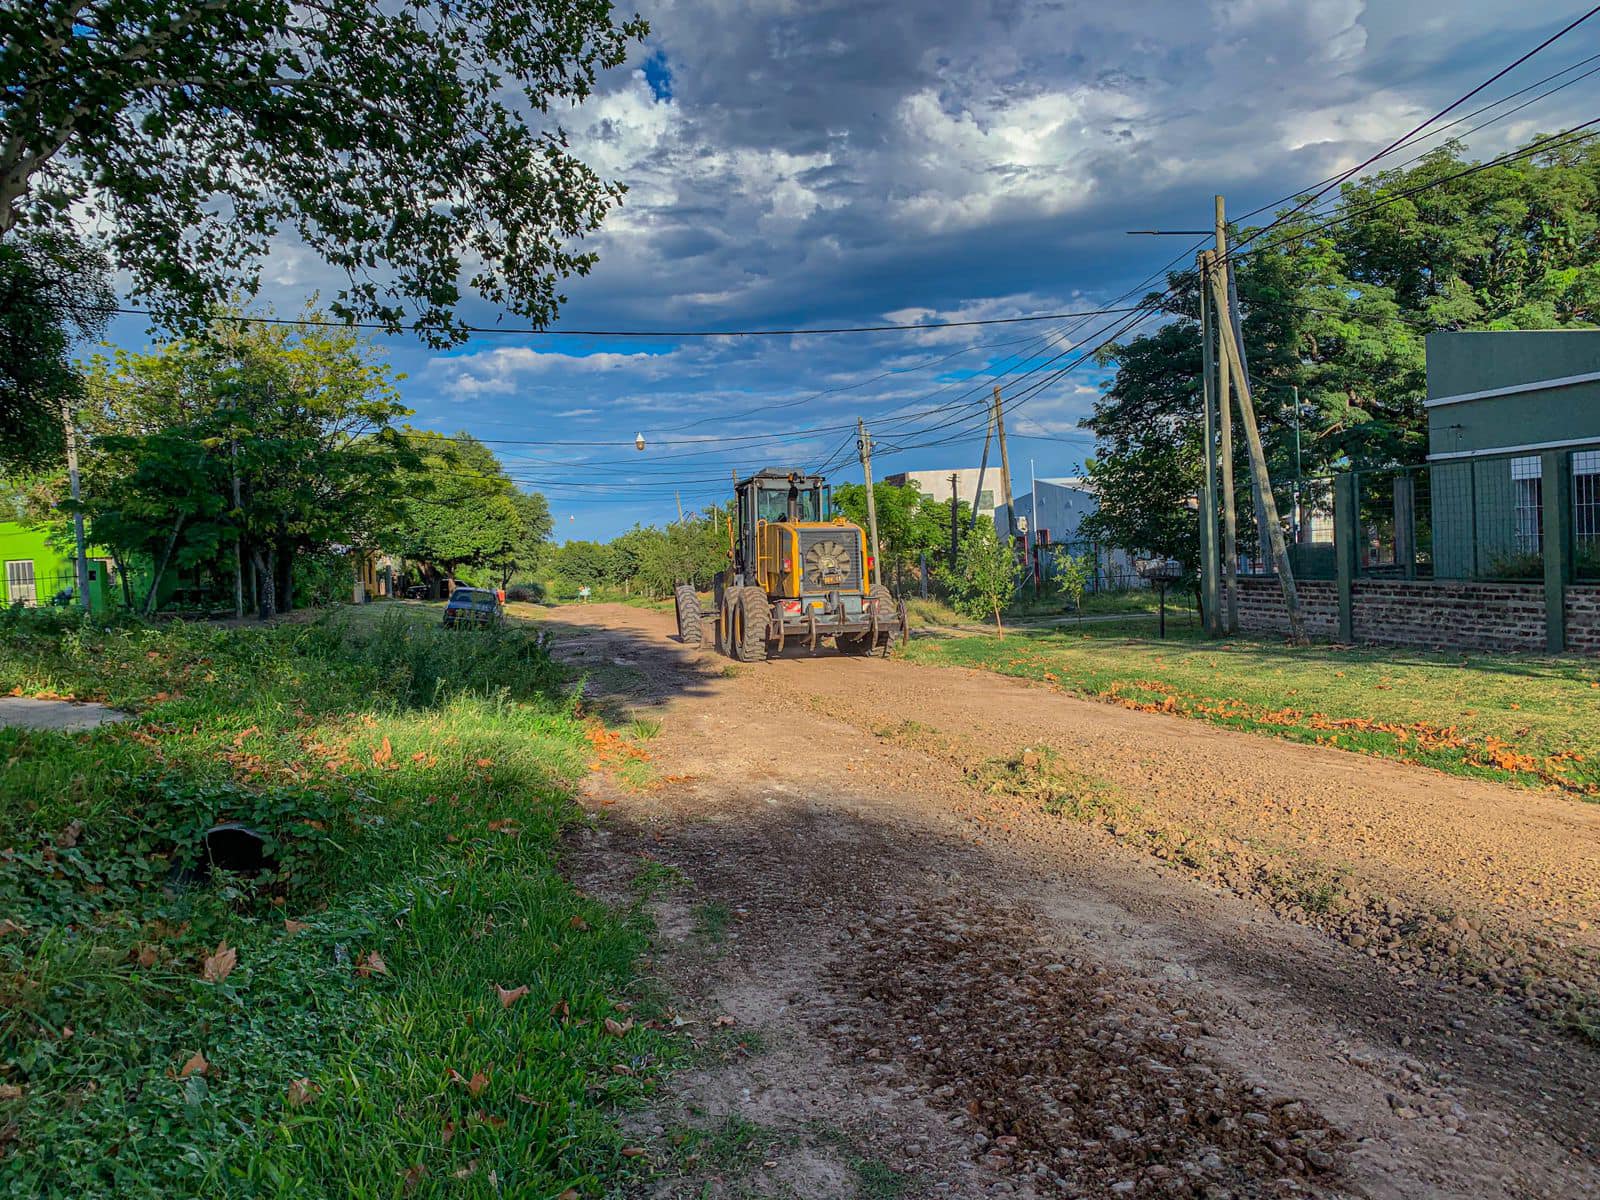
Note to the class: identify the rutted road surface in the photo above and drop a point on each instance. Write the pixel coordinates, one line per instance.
(911, 978)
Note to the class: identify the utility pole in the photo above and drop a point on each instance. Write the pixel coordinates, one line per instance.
(1298, 477)
(1236, 315)
(1230, 523)
(1258, 460)
(80, 555)
(238, 541)
(1005, 464)
(1210, 566)
(1031, 538)
(983, 469)
(955, 518)
(678, 496)
(864, 446)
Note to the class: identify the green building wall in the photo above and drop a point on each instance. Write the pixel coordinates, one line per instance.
(53, 570)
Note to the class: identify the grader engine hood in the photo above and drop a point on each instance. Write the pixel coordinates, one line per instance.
(814, 559)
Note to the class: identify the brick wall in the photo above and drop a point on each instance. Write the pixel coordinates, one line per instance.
(1583, 618)
(1261, 606)
(1451, 615)
(1429, 613)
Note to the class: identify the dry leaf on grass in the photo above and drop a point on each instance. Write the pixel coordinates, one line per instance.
(504, 825)
(475, 1085)
(8, 926)
(467, 1171)
(413, 1177)
(292, 927)
(578, 923)
(383, 753)
(634, 1152)
(146, 955)
(197, 1065)
(219, 963)
(373, 964)
(509, 996)
(486, 762)
(301, 1093)
(68, 837)
(10, 1091)
(723, 1021)
(617, 1028)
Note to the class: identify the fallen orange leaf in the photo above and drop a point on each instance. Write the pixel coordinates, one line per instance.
(509, 996)
(220, 963)
(373, 964)
(197, 1065)
(301, 1093)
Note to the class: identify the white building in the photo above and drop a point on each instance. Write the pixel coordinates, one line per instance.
(936, 486)
(1054, 510)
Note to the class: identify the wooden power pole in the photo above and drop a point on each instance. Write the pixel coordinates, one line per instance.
(1210, 559)
(80, 555)
(1230, 520)
(955, 520)
(1005, 464)
(864, 446)
(1232, 366)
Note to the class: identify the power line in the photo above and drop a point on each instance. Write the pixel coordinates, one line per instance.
(1398, 142)
(394, 330)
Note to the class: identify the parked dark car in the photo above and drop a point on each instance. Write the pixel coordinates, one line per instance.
(473, 607)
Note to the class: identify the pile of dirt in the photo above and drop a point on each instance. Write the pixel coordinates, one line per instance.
(1065, 1074)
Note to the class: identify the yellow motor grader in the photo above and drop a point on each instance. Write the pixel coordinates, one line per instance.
(796, 574)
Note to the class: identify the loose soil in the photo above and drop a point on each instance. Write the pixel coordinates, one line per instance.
(940, 933)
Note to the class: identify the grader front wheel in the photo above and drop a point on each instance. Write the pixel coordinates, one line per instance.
(691, 629)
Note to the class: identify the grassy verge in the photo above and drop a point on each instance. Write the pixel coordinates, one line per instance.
(1516, 719)
(411, 999)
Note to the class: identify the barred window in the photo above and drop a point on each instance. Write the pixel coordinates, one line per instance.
(1586, 500)
(1528, 496)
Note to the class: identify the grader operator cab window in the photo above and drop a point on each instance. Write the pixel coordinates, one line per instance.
(791, 503)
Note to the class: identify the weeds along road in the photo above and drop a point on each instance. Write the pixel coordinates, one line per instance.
(947, 934)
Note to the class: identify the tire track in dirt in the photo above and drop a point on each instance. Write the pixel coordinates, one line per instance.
(858, 884)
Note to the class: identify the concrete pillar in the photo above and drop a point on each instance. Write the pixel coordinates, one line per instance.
(1346, 530)
(1555, 504)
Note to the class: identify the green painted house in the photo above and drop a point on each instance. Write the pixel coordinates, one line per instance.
(1504, 409)
(35, 571)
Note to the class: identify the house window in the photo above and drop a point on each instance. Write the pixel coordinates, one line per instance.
(20, 585)
(1586, 502)
(985, 501)
(1527, 496)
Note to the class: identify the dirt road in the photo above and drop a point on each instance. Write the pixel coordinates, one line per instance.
(946, 934)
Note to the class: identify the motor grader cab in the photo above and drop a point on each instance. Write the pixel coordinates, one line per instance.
(796, 573)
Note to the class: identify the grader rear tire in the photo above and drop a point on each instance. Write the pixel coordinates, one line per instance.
(691, 627)
(752, 618)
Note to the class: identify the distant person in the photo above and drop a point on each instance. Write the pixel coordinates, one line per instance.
(583, 594)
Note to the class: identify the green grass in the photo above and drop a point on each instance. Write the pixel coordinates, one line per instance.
(412, 784)
(1532, 721)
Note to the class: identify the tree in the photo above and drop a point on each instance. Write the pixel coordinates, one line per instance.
(459, 508)
(524, 554)
(276, 440)
(986, 575)
(1073, 572)
(53, 291)
(393, 140)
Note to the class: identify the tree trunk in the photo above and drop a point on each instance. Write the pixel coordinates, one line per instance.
(266, 575)
(127, 584)
(285, 580)
(161, 567)
(999, 627)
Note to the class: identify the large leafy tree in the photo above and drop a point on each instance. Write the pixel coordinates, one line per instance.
(53, 292)
(405, 143)
(275, 439)
(458, 508)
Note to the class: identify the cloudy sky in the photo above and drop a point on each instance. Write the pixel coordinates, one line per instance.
(806, 163)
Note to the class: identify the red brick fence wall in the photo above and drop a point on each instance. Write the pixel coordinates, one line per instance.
(1445, 614)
